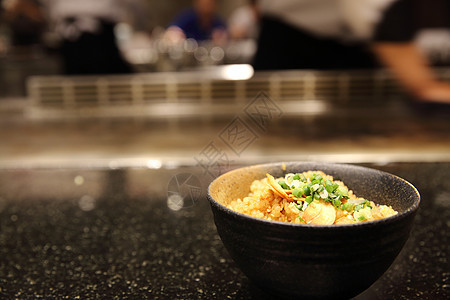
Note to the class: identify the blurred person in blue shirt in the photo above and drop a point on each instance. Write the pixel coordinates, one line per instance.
(200, 22)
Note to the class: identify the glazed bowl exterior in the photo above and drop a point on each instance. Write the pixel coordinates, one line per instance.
(312, 261)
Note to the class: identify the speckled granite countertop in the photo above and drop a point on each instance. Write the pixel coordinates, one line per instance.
(113, 234)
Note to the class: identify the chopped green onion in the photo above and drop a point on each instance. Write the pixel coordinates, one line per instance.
(296, 177)
(323, 194)
(358, 207)
(347, 206)
(362, 205)
(316, 178)
(315, 187)
(298, 192)
(283, 184)
(289, 178)
(299, 205)
(309, 199)
(336, 203)
(295, 184)
(307, 189)
(343, 190)
(329, 188)
(302, 177)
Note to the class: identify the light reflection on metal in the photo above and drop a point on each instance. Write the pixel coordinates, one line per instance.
(183, 191)
(217, 54)
(173, 164)
(86, 203)
(78, 180)
(113, 164)
(237, 72)
(175, 202)
(201, 54)
(190, 45)
(305, 107)
(154, 164)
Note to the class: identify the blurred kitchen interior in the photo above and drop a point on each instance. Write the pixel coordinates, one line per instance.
(103, 176)
(187, 97)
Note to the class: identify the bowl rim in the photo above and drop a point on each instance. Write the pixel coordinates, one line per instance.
(410, 210)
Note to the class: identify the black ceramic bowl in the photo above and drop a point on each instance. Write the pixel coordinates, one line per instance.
(313, 261)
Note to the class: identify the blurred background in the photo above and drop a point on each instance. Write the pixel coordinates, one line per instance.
(115, 115)
(139, 81)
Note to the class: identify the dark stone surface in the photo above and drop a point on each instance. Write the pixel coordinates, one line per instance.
(68, 234)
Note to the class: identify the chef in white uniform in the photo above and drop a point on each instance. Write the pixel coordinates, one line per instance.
(352, 34)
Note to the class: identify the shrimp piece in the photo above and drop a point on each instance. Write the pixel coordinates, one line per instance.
(319, 213)
(312, 211)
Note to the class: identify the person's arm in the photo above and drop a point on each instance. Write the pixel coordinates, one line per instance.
(393, 43)
(410, 67)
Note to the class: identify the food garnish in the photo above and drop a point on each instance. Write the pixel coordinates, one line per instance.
(311, 197)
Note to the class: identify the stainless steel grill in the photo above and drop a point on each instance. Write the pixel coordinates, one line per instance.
(192, 94)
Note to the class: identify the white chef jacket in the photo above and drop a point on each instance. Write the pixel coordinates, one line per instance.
(338, 19)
